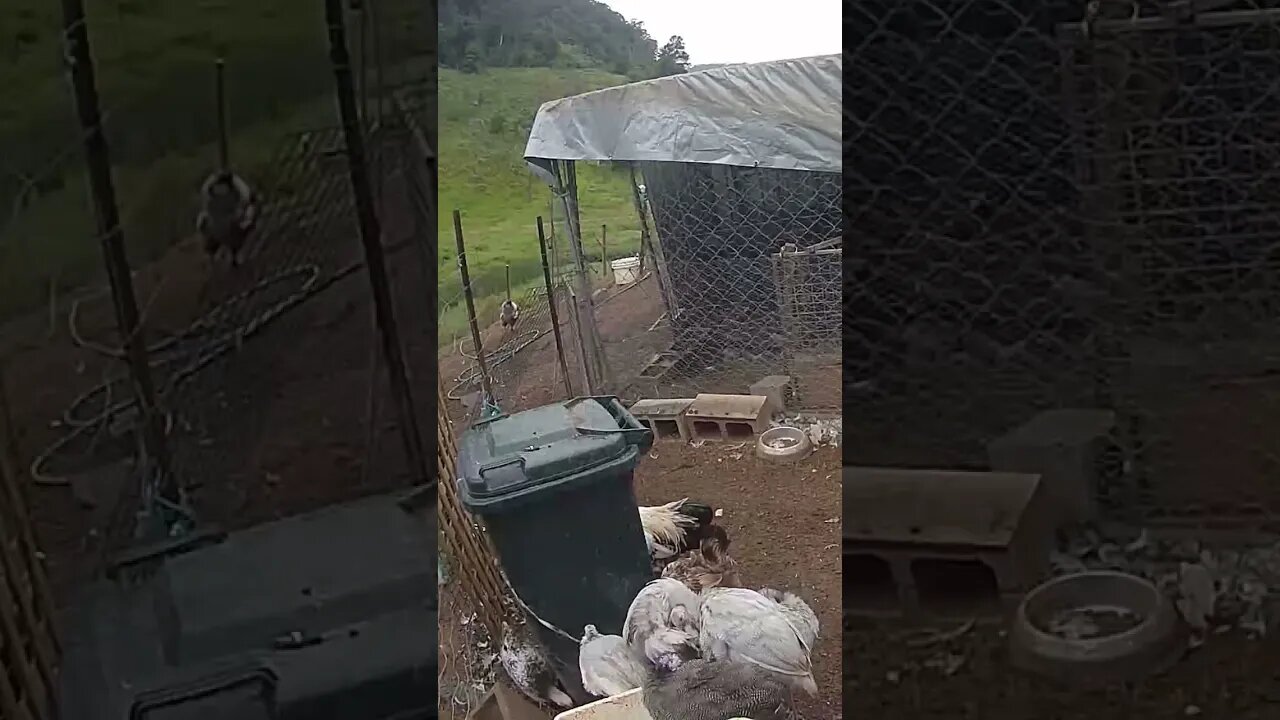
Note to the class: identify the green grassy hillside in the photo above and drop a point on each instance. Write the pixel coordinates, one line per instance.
(154, 62)
(484, 123)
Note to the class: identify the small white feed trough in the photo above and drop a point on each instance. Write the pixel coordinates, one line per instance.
(625, 269)
(627, 706)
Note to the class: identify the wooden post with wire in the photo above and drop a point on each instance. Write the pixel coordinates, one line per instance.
(555, 312)
(110, 234)
(604, 251)
(471, 308)
(371, 239)
(220, 97)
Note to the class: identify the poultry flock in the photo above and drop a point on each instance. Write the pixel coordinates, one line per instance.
(701, 646)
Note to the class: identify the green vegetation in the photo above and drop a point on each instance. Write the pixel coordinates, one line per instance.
(154, 63)
(505, 59)
(484, 123)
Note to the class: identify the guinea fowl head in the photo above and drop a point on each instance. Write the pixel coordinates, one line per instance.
(589, 633)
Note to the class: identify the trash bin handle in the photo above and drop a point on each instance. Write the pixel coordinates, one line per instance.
(512, 460)
(635, 433)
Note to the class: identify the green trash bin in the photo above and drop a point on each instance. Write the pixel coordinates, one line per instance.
(554, 487)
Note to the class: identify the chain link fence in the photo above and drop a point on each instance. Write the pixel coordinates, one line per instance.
(748, 263)
(1068, 205)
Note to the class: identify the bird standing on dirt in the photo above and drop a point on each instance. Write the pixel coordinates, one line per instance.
(509, 315)
(662, 623)
(608, 666)
(709, 690)
(707, 567)
(674, 528)
(742, 625)
(530, 671)
(228, 214)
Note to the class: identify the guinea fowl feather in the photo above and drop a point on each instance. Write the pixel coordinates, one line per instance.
(742, 625)
(802, 617)
(708, 690)
(608, 666)
(528, 668)
(662, 623)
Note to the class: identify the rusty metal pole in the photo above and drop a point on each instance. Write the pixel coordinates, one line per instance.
(471, 307)
(371, 238)
(555, 312)
(111, 235)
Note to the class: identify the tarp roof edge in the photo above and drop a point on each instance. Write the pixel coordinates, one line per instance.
(782, 114)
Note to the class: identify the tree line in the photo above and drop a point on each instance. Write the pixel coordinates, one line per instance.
(475, 34)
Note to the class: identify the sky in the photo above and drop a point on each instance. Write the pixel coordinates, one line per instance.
(725, 31)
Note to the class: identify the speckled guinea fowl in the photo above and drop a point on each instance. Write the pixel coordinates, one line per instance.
(530, 671)
(710, 690)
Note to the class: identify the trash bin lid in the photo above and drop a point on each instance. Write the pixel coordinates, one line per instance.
(511, 453)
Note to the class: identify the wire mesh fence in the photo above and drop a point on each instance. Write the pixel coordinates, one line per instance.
(1063, 205)
(750, 259)
(272, 384)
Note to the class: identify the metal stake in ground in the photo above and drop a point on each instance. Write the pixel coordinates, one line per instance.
(471, 308)
(220, 97)
(371, 238)
(555, 313)
(107, 214)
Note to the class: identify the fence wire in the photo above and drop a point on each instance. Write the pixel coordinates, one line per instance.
(1066, 205)
(270, 376)
(742, 281)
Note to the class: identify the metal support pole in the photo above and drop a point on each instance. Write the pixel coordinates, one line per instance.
(471, 307)
(371, 238)
(555, 312)
(111, 235)
(220, 97)
(604, 251)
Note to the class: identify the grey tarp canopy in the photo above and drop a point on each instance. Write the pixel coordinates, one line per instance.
(783, 114)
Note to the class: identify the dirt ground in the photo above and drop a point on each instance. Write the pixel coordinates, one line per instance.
(784, 531)
(1229, 678)
(276, 429)
(783, 524)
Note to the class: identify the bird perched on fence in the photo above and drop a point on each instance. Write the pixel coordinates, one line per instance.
(662, 623)
(527, 666)
(228, 214)
(742, 625)
(608, 665)
(675, 528)
(709, 690)
(707, 567)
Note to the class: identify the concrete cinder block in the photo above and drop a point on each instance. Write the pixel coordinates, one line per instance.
(727, 417)
(1064, 447)
(773, 387)
(900, 518)
(664, 416)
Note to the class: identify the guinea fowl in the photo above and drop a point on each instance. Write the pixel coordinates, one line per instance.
(676, 527)
(530, 671)
(608, 666)
(228, 214)
(742, 625)
(662, 623)
(509, 314)
(707, 567)
(709, 690)
(802, 617)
